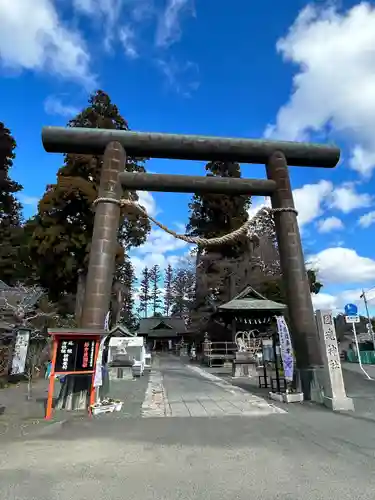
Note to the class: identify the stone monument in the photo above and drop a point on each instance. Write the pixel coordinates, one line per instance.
(334, 393)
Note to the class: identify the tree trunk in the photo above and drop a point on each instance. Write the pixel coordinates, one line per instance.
(80, 297)
(29, 386)
(116, 303)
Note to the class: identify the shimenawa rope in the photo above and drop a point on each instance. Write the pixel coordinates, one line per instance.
(196, 240)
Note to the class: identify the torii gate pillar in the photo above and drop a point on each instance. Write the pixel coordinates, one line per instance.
(298, 296)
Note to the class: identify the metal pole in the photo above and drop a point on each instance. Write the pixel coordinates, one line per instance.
(264, 367)
(274, 346)
(358, 353)
(363, 296)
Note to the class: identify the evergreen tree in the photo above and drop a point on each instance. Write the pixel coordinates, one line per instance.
(62, 229)
(267, 277)
(214, 215)
(183, 290)
(145, 292)
(126, 276)
(168, 292)
(11, 234)
(155, 292)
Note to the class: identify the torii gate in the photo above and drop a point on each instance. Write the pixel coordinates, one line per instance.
(276, 155)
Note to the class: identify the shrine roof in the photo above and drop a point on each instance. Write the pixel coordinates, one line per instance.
(161, 326)
(250, 299)
(121, 331)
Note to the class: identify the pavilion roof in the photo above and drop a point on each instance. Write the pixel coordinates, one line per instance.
(251, 300)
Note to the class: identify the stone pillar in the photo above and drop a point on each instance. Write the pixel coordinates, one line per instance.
(103, 246)
(74, 392)
(300, 308)
(334, 393)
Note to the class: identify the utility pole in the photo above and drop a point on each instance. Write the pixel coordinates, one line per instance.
(371, 330)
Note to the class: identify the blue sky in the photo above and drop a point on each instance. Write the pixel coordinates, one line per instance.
(295, 71)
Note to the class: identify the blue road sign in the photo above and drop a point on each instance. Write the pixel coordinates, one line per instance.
(351, 310)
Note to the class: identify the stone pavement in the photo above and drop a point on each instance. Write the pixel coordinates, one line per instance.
(132, 393)
(307, 452)
(358, 387)
(180, 390)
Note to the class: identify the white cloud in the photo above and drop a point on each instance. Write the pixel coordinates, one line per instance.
(160, 242)
(324, 301)
(151, 259)
(105, 13)
(140, 10)
(329, 224)
(309, 199)
(127, 38)
(160, 248)
(257, 204)
(346, 199)
(334, 88)
(33, 37)
(54, 106)
(146, 200)
(367, 220)
(330, 268)
(312, 200)
(363, 159)
(338, 301)
(182, 78)
(168, 30)
(31, 201)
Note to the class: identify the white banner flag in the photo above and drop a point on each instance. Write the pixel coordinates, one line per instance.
(285, 348)
(98, 378)
(20, 352)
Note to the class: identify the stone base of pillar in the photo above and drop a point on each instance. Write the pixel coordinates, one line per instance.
(243, 370)
(313, 382)
(339, 404)
(310, 382)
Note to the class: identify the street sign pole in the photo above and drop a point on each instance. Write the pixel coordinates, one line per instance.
(370, 328)
(358, 352)
(351, 316)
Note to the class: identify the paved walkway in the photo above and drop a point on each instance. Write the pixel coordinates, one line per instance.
(258, 452)
(179, 390)
(360, 389)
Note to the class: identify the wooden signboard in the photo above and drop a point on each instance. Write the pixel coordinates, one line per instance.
(74, 353)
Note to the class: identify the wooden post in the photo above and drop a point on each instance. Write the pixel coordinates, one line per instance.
(51, 386)
(92, 388)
